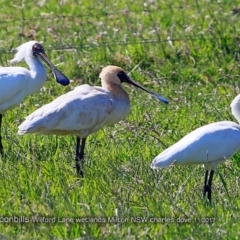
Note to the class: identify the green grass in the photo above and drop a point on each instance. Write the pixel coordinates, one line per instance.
(198, 73)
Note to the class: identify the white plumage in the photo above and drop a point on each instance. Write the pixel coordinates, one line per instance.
(79, 112)
(209, 145)
(16, 83)
(84, 110)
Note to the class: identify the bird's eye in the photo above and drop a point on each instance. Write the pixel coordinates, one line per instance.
(37, 48)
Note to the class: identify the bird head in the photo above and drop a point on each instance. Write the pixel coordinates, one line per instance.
(116, 75)
(34, 49)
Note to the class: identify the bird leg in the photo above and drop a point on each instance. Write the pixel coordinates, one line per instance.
(205, 186)
(1, 146)
(208, 185)
(80, 156)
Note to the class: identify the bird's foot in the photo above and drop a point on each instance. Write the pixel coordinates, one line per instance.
(207, 189)
(79, 167)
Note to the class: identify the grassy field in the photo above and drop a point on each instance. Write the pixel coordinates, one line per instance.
(188, 51)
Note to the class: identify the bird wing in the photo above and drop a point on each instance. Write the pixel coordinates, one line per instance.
(12, 84)
(211, 143)
(83, 109)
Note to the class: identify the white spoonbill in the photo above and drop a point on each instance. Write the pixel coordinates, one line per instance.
(85, 110)
(209, 145)
(16, 83)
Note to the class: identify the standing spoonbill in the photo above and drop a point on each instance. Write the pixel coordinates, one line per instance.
(209, 145)
(16, 83)
(85, 110)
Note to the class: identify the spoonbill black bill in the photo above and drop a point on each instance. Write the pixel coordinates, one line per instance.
(208, 145)
(85, 110)
(16, 83)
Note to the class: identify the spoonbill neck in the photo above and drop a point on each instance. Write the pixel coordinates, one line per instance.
(117, 91)
(36, 66)
(38, 73)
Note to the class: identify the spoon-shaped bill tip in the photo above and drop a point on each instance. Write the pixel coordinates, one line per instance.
(159, 97)
(60, 77)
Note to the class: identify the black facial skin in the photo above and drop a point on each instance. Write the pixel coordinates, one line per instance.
(123, 77)
(38, 50)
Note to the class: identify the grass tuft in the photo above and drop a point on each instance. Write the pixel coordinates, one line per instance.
(189, 53)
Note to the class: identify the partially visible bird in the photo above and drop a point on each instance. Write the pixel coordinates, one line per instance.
(16, 83)
(85, 110)
(209, 145)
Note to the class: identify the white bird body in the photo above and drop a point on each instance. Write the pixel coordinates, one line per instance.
(209, 145)
(79, 112)
(85, 110)
(17, 83)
